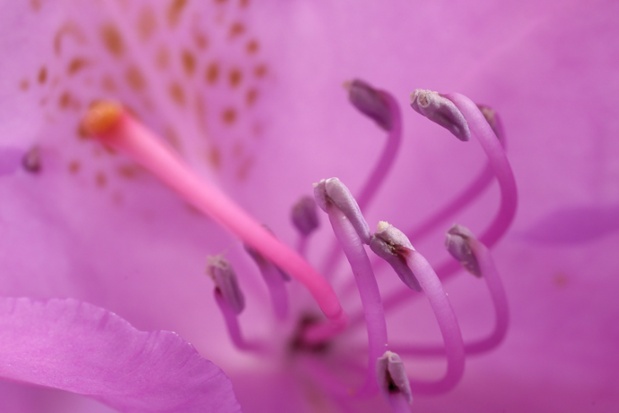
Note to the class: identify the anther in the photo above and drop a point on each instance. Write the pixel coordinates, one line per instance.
(442, 111)
(494, 120)
(458, 244)
(371, 102)
(392, 378)
(304, 216)
(331, 193)
(114, 126)
(393, 246)
(224, 277)
(31, 160)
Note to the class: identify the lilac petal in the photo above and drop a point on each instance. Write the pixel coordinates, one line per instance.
(80, 348)
(576, 224)
(10, 159)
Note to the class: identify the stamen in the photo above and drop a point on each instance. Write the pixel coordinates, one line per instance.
(445, 316)
(371, 102)
(351, 241)
(391, 244)
(224, 277)
(496, 156)
(437, 108)
(114, 126)
(393, 381)
(32, 160)
(304, 217)
(385, 111)
(458, 244)
(483, 263)
(332, 192)
(474, 256)
(275, 281)
(229, 298)
(481, 128)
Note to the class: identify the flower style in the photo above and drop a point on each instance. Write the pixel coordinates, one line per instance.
(243, 101)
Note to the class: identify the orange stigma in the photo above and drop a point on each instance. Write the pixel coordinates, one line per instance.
(102, 117)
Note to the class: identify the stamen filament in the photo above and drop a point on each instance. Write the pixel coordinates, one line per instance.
(232, 324)
(368, 292)
(379, 172)
(499, 302)
(496, 156)
(447, 322)
(126, 134)
(276, 284)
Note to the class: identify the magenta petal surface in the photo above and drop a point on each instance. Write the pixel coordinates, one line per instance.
(81, 348)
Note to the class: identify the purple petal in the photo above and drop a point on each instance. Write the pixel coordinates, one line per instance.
(80, 348)
(576, 224)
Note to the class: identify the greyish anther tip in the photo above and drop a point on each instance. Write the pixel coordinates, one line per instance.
(226, 284)
(442, 111)
(304, 216)
(391, 375)
(393, 246)
(458, 242)
(371, 102)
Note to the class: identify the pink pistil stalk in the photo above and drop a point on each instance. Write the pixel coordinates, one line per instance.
(112, 125)
(352, 243)
(387, 115)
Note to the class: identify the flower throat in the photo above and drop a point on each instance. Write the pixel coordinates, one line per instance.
(385, 370)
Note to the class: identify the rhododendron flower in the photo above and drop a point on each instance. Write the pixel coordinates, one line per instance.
(196, 216)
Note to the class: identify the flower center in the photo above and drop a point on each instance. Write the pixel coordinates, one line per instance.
(314, 338)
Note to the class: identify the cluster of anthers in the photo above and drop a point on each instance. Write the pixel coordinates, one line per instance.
(114, 126)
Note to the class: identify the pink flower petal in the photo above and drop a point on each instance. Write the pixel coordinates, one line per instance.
(87, 350)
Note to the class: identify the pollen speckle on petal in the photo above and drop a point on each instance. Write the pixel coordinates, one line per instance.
(162, 58)
(251, 96)
(228, 116)
(74, 167)
(135, 78)
(76, 65)
(188, 60)
(42, 76)
(212, 73)
(200, 39)
(68, 29)
(100, 180)
(252, 46)
(236, 29)
(113, 40)
(213, 157)
(175, 11)
(260, 71)
(234, 77)
(24, 84)
(147, 23)
(177, 93)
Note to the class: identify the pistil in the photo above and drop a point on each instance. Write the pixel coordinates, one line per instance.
(113, 126)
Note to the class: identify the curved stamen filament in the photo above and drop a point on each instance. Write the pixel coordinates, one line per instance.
(232, 324)
(496, 156)
(111, 124)
(368, 291)
(379, 172)
(501, 311)
(448, 324)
